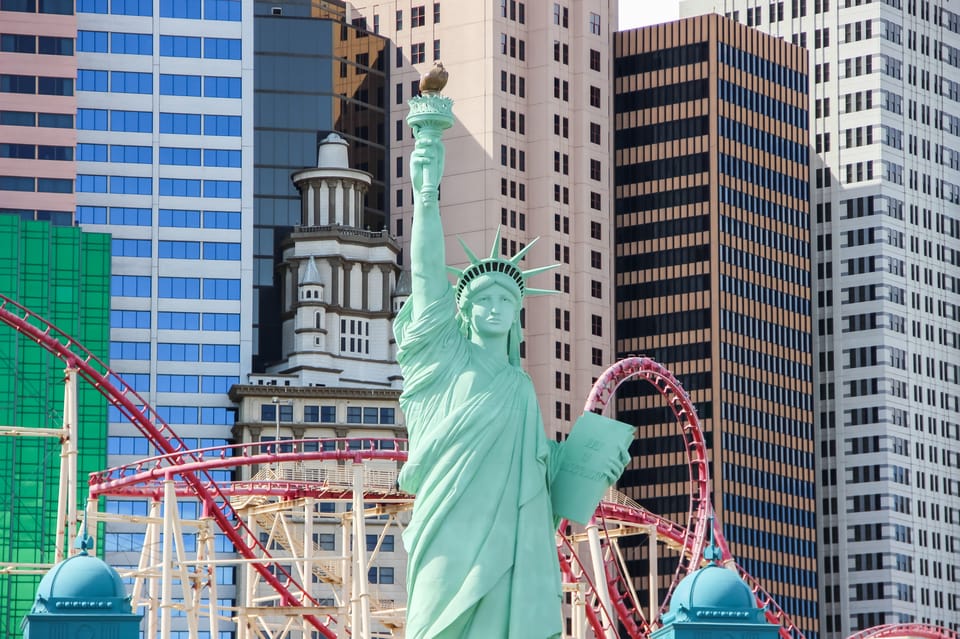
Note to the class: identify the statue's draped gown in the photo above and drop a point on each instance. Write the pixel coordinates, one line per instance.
(482, 554)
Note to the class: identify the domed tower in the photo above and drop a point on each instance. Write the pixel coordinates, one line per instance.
(714, 603)
(81, 597)
(338, 282)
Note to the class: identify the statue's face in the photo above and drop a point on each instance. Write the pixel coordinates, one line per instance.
(493, 310)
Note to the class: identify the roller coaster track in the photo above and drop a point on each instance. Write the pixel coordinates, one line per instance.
(194, 468)
(177, 457)
(913, 630)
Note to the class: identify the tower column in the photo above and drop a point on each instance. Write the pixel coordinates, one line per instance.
(339, 207)
(334, 281)
(385, 287)
(347, 276)
(365, 285)
(323, 213)
(309, 212)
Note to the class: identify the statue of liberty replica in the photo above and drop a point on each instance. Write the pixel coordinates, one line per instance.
(481, 542)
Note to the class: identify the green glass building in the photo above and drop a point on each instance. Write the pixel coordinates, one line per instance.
(62, 274)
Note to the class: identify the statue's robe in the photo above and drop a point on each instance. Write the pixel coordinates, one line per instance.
(482, 551)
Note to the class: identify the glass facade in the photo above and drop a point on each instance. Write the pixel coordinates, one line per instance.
(313, 75)
(712, 235)
(62, 274)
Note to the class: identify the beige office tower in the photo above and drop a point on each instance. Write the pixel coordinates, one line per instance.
(529, 152)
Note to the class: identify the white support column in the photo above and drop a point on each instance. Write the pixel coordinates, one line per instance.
(654, 603)
(166, 568)
(148, 563)
(350, 206)
(67, 519)
(361, 599)
(339, 204)
(323, 214)
(600, 581)
(206, 543)
(308, 549)
(310, 211)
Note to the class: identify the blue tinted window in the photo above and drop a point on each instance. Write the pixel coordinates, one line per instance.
(221, 125)
(178, 383)
(179, 250)
(130, 216)
(129, 319)
(129, 350)
(92, 41)
(131, 43)
(180, 46)
(221, 188)
(18, 118)
(221, 251)
(185, 85)
(180, 218)
(14, 183)
(179, 156)
(180, 187)
(130, 248)
(221, 48)
(132, 7)
(91, 153)
(221, 157)
(130, 285)
(178, 352)
(221, 353)
(179, 287)
(218, 383)
(54, 185)
(178, 414)
(221, 219)
(221, 322)
(180, 9)
(221, 87)
(132, 154)
(92, 214)
(92, 80)
(91, 6)
(55, 120)
(181, 123)
(91, 183)
(131, 82)
(178, 321)
(218, 416)
(221, 289)
(54, 86)
(131, 185)
(92, 119)
(133, 121)
(222, 10)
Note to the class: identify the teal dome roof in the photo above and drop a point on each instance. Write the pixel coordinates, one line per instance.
(79, 585)
(713, 587)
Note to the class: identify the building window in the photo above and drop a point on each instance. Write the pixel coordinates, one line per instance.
(596, 290)
(595, 259)
(594, 133)
(596, 325)
(595, 170)
(399, 61)
(594, 200)
(594, 23)
(595, 230)
(417, 16)
(436, 50)
(595, 97)
(594, 60)
(417, 53)
(596, 357)
(436, 13)
(399, 20)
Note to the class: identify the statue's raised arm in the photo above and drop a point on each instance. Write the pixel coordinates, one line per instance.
(430, 114)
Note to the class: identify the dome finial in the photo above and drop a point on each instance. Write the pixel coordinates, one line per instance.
(713, 552)
(84, 541)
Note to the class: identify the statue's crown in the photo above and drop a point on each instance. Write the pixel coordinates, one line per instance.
(495, 264)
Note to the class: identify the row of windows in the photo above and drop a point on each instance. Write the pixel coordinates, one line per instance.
(661, 132)
(662, 199)
(661, 59)
(142, 82)
(327, 414)
(206, 416)
(663, 288)
(764, 237)
(175, 249)
(664, 323)
(662, 169)
(763, 140)
(176, 352)
(768, 421)
(142, 122)
(175, 287)
(177, 218)
(172, 156)
(765, 295)
(768, 451)
(177, 187)
(766, 331)
(35, 152)
(30, 118)
(661, 96)
(762, 176)
(59, 7)
(35, 185)
(32, 85)
(176, 320)
(229, 10)
(771, 511)
(773, 481)
(764, 266)
(763, 104)
(44, 45)
(765, 362)
(662, 259)
(170, 45)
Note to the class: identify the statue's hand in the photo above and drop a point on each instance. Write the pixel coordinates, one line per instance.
(426, 165)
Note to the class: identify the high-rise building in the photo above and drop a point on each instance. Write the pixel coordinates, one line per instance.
(63, 275)
(313, 74)
(884, 87)
(165, 164)
(529, 153)
(37, 107)
(713, 281)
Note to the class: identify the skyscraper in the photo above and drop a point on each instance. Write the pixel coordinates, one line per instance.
(61, 274)
(530, 152)
(884, 89)
(713, 281)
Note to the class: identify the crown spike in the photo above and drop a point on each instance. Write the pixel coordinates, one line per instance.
(470, 254)
(538, 270)
(519, 256)
(539, 291)
(496, 244)
(452, 270)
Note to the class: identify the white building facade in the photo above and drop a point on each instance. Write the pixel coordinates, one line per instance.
(530, 152)
(885, 86)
